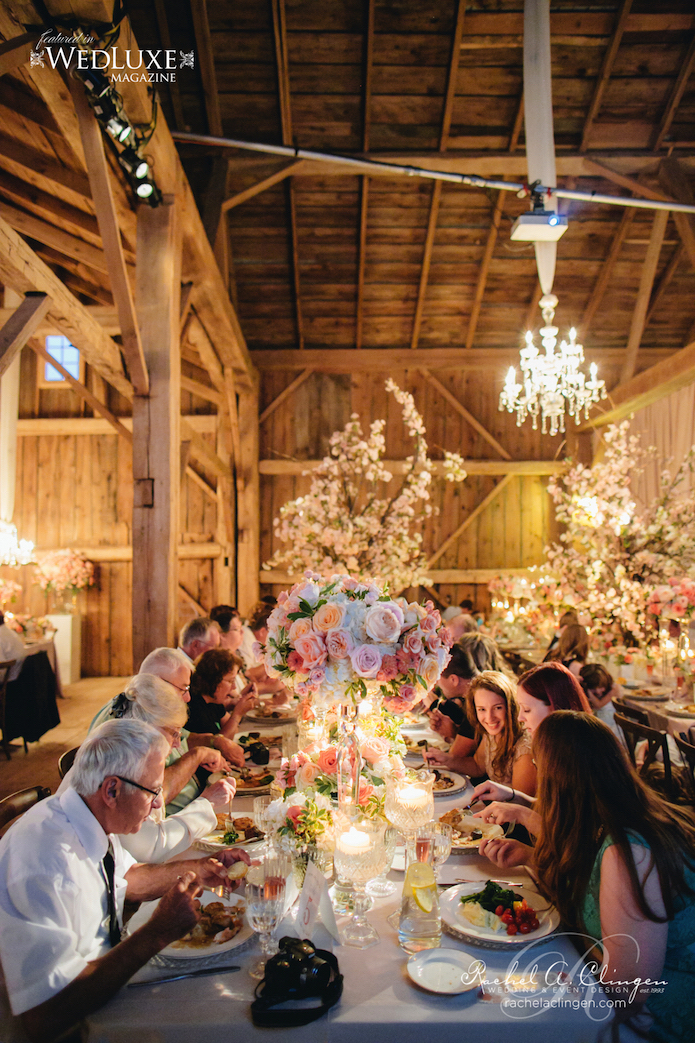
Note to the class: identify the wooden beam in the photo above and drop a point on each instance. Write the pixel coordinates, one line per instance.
(294, 468)
(185, 305)
(485, 267)
(23, 271)
(102, 196)
(469, 520)
(675, 179)
(197, 336)
(649, 386)
(599, 288)
(157, 432)
(294, 254)
(289, 390)
(84, 393)
(208, 489)
(248, 500)
(50, 208)
(518, 125)
(201, 390)
(172, 86)
(664, 282)
(361, 260)
(452, 75)
(32, 160)
(183, 552)
(469, 576)
(426, 261)
(203, 452)
(460, 408)
(386, 360)
(49, 235)
(191, 600)
(676, 96)
(87, 425)
(638, 188)
(206, 65)
(15, 52)
(367, 62)
(230, 412)
(605, 72)
(261, 186)
(282, 66)
(21, 325)
(639, 313)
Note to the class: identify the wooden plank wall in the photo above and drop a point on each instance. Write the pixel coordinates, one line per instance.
(511, 532)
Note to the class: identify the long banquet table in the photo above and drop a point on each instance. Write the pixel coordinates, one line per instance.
(379, 1001)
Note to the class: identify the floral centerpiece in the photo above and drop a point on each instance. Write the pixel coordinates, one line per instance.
(674, 600)
(29, 626)
(63, 572)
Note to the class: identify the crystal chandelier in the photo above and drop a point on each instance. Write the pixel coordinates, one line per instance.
(14, 552)
(554, 382)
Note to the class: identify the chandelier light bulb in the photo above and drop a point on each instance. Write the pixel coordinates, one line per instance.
(14, 552)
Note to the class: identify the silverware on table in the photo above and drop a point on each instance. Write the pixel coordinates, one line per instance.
(188, 974)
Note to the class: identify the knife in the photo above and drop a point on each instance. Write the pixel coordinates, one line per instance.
(189, 974)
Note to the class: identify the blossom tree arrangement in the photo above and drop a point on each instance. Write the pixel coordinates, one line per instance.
(612, 554)
(63, 572)
(9, 590)
(343, 524)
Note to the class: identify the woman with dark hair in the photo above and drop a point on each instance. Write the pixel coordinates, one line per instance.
(600, 690)
(213, 687)
(572, 648)
(503, 747)
(618, 862)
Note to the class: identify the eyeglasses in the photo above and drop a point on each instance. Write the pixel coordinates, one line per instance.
(145, 789)
(181, 688)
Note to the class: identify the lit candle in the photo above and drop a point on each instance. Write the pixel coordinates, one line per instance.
(414, 797)
(354, 842)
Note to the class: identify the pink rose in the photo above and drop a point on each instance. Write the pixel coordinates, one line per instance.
(374, 748)
(394, 704)
(412, 642)
(406, 661)
(285, 777)
(366, 660)
(433, 641)
(329, 616)
(428, 625)
(366, 791)
(312, 649)
(409, 693)
(339, 643)
(679, 605)
(328, 760)
(282, 597)
(295, 663)
(299, 628)
(293, 816)
(317, 676)
(382, 623)
(389, 669)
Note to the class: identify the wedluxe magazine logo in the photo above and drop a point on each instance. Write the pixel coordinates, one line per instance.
(56, 50)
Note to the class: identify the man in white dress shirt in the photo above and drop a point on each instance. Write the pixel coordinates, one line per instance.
(11, 647)
(64, 877)
(198, 635)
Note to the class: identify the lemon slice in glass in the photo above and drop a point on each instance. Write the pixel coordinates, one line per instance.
(423, 897)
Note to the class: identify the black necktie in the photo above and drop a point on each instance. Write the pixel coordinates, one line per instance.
(114, 929)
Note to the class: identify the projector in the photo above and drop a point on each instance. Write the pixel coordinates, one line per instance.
(539, 226)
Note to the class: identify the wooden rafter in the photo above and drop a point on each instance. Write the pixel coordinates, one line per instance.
(601, 284)
(452, 75)
(648, 274)
(261, 186)
(485, 267)
(398, 468)
(173, 87)
(33, 161)
(196, 334)
(283, 72)
(206, 64)
(20, 326)
(664, 281)
(468, 521)
(84, 393)
(208, 489)
(201, 451)
(14, 53)
(48, 234)
(367, 61)
(518, 125)
(638, 188)
(201, 390)
(100, 181)
(289, 390)
(674, 178)
(361, 260)
(294, 256)
(460, 408)
(49, 208)
(676, 96)
(605, 72)
(426, 261)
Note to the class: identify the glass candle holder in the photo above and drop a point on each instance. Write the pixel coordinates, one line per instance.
(410, 801)
(360, 856)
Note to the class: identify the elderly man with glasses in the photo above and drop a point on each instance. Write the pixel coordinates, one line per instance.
(64, 877)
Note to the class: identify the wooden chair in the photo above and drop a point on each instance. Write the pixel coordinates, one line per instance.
(19, 802)
(657, 742)
(65, 761)
(634, 714)
(688, 753)
(5, 668)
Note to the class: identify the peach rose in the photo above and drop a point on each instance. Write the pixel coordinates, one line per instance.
(328, 760)
(329, 617)
(339, 643)
(374, 748)
(382, 623)
(430, 670)
(294, 814)
(312, 649)
(306, 774)
(366, 790)
(299, 628)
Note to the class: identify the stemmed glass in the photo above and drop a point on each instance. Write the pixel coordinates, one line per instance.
(265, 905)
(442, 845)
(260, 808)
(381, 886)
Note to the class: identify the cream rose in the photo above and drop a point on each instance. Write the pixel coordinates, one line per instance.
(299, 628)
(329, 616)
(374, 748)
(429, 670)
(382, 624)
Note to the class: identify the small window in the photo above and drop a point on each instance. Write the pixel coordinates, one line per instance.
(67, 355)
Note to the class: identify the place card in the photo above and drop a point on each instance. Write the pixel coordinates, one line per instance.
(314, 900)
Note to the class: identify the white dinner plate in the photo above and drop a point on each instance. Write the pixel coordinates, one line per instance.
(674, 710)
(145, 911)
(488, 829)
(455, 924)
(447, 971)
(212, 842)
(285, 715)
(460, 782)
(648, 695)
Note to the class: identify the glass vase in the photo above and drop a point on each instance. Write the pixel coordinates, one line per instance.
(349, 758)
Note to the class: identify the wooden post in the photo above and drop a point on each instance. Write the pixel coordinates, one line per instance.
(248, 521)
(156, 432)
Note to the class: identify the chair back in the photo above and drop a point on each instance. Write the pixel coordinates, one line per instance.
(19, 802)
(634, 714)
(688, 753)
(5, 668)
(65, 761)
(657, 742)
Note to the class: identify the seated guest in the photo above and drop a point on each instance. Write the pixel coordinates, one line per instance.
(213, 707)
(231, 637)
(253, 664)
(600, 689)
(197, 636)
(572, 648)
(618, 863)
(566, 619)
(460, 625)
(11, 647)
(64, 877)
(503, 746)
(148, 698)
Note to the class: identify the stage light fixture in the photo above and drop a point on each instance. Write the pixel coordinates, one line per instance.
(133, 163)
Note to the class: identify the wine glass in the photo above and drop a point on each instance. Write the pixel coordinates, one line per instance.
(265, 905)
(442, 845)
(260, 808)
(381, 886)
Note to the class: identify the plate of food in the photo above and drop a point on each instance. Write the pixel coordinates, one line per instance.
(222, 926)
(267, 713)
(496, 916)
(467, 831)
(447, 971)
(416, 747)
(415, 721)
(650, 694)
(679, 710)
(232, 831)
(252, 780)
(446, 783)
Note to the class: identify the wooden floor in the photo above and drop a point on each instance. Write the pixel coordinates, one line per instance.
(39, 767)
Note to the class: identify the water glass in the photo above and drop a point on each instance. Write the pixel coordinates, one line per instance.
(381, 886)
(265, 905)
(260, 808)
(442, 844)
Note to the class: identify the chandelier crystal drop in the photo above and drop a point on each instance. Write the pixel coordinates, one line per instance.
(553, 383)
(14, 552)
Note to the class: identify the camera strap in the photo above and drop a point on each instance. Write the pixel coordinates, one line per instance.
(265, 1016)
